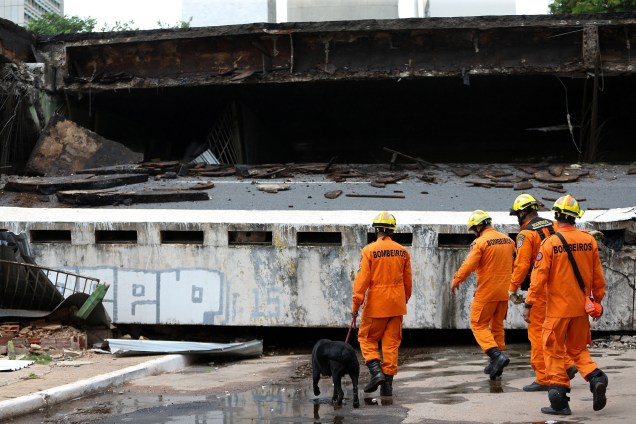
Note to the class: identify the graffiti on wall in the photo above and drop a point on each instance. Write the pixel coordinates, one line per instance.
(181, 296)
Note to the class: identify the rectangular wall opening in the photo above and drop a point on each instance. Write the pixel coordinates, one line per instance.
(241, 238)
(50, 236)
(405, 239)
(314, 238)
(615, 239)
(181, 237)
(455, 240)
(115, 236)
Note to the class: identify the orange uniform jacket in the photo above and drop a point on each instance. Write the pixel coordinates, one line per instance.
(553, 276)
(385, 278)
(491, 257)
(528, 242)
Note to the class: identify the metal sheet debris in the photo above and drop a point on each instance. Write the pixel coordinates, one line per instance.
(14, 364)
(142, 347)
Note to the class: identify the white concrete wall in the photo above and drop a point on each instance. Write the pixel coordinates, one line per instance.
(281, 284)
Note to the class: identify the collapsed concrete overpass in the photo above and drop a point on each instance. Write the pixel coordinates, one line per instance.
(508, 88)
(486, 89)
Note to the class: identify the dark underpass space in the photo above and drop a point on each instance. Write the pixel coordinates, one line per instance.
(440, 119)
(298, 339)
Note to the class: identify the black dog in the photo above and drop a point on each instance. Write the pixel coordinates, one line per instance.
(335, 359)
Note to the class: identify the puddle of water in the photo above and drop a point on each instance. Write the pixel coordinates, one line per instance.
(272, 403)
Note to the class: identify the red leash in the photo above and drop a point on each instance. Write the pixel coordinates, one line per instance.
(351, 326)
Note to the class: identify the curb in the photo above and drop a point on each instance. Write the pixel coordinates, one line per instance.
(47, 398)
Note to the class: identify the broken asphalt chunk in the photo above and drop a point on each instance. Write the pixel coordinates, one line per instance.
(527, 169)
(552, 188)
(333, 194)
(390, 179)
(461, 172)
(50, 185)
(556, 170)
(101, 197)
(522, 185)
(272, 188)
(492, 174)
(546, 177)
(485, 184)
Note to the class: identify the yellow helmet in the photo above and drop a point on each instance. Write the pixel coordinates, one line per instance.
(384, 220)
(567, 205)
(478, 217)
(522, 202)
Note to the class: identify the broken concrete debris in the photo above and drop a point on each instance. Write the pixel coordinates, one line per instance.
(65, 148)
(522, 185)
(100, 198)
(272, 188)
(556, 170)
(333, 194)
(461, 172)
(50, 185)
(547, 177)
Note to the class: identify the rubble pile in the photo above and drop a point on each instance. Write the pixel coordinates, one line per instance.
(41, 337)
(616, 341)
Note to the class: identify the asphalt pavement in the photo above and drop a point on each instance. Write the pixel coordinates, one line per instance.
(433, 385)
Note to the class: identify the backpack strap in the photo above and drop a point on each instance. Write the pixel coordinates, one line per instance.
(577, 273)
(537, 224)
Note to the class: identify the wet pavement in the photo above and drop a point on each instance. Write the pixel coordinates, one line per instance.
(434, 385)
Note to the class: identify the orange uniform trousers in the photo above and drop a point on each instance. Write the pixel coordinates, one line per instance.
(535, 335)
(486, 321)
(566, 334)
(387, 330)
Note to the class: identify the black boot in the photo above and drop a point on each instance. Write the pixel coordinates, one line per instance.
(558, 401)
(488, 367)
(386, 388)
(499, 360)
(598, 385)
(377, 377)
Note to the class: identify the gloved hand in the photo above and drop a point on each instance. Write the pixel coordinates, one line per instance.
(354, 314)
(515, 297)
(526, 314)
(454, 287)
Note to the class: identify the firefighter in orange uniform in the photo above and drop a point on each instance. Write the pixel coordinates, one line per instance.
(567, 325)
(382, 287)
(533, 230)
(491, 258)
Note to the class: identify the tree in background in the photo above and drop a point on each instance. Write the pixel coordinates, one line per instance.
(50, 24)
(178, 25)
(592, 6)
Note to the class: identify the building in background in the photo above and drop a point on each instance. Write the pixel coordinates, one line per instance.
(24, 11)
(227, 12)
(340, 10)
(448, 8)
